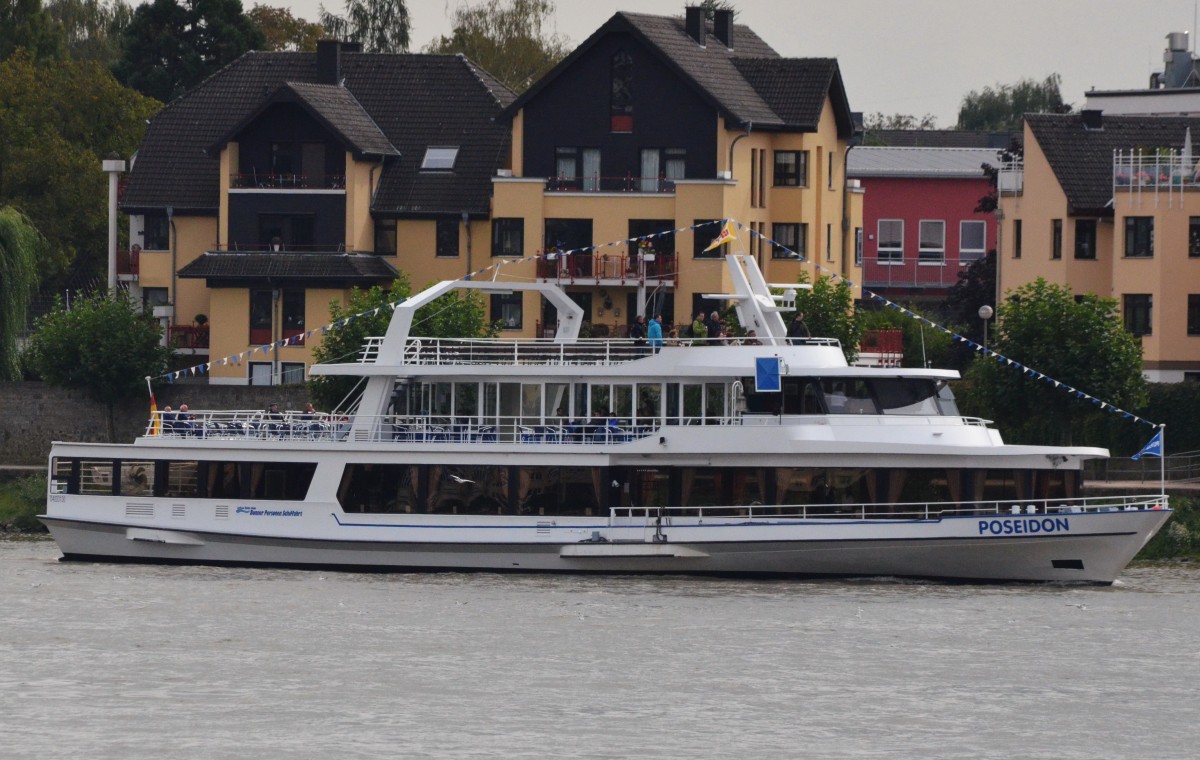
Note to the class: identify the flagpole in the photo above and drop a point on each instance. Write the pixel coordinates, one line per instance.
(1162, 461)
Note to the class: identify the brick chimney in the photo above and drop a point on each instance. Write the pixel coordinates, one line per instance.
(694, 24)
(329, 63)
(723, 27)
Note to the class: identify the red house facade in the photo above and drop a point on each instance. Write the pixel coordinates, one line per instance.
(920, 226)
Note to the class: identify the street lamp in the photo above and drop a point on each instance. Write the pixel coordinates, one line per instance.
(985, 313)
(114, 165)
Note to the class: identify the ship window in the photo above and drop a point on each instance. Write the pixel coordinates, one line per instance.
(906, 396)
(848, 396)
(96, 477)
(466, 399)
(946, 403)
(137, 478)
(714, 401)
(386, 488)
(177, 478)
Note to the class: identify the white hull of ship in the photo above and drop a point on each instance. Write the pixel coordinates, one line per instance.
(1090, 547)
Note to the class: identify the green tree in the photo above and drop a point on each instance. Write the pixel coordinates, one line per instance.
(450, 316)
(92, 29)
(511, 40)
(58, 120)
(381, 26)
(924, 346)
(26, 24)
(169, 48)
(1082, 344)
(1002, 108)
(828, 309)
(283, 31)
(20, 243)
(104, 345)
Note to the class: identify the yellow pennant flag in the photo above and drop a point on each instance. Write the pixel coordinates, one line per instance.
(723, 238)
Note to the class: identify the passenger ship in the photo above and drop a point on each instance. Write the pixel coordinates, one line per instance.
(768, 457)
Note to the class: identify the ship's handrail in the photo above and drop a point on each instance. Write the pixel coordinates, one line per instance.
(291, 425)
(1026, 509)
(547, 351)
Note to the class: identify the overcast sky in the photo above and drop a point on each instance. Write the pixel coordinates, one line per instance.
(913, 56)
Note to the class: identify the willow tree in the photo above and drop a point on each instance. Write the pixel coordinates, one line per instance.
(20, 243)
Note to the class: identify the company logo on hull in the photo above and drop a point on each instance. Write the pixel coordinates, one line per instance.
(256, 512)
(1018, 526)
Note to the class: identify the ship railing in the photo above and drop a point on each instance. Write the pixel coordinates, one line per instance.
(639, 516)
(424, 428)
(547, 351)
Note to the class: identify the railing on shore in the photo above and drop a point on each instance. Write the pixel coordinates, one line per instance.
(1177, 468)
(474, 429)
(546, 351)
(1034, 510)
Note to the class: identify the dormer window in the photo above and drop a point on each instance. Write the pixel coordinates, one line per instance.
(439, 159)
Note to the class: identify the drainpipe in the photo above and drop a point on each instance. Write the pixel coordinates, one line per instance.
(276, 331)
(749, 128)
(466, 222)
(845, 207)
(174, 244)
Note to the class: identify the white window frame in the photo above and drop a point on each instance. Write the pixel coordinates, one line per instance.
(439, 158)
(895, 256)
(970, 255)
(926, 256)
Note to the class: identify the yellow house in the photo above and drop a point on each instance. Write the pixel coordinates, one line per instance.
(285, 179)
(1111, 205)
(664, 124)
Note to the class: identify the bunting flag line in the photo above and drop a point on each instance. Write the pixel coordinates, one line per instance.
(235, 359)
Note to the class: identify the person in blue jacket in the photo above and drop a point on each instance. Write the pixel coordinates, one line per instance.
(654, 332)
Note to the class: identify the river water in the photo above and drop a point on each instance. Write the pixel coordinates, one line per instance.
(131, 661)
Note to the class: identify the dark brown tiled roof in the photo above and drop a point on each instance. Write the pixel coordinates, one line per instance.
(795, 88)
(741, 82)
(1082, 159)
(343, 114)
(414, 101)
(331, 269)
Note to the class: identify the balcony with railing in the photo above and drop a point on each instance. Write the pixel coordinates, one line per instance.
(589, 267)
(129, 262)
(188, 337)
(596, 184)
(1010, 179)
(277, 247)
(1162, 169)
(267, 181)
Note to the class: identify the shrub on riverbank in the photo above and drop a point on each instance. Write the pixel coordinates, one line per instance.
(1180, 537)
(21, 501)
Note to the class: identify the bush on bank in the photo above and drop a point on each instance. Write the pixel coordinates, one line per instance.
(21, 501)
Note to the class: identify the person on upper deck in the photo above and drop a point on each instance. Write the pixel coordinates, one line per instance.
(798, 329)
(654, 332)
(715, 328)
(699, 329)
(637, 331)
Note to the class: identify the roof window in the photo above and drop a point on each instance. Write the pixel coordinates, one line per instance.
(439, 158)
